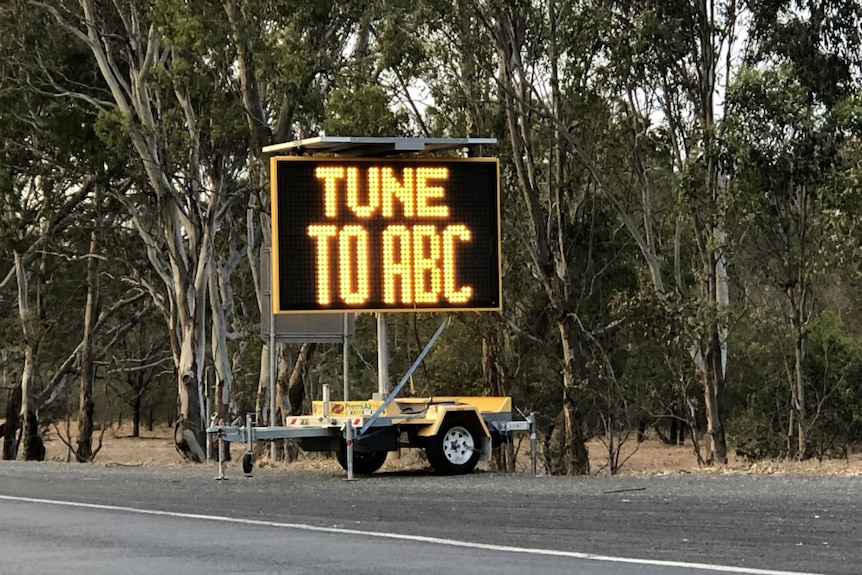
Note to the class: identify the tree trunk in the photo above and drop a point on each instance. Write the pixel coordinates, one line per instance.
(545, 215)
(798, 440)
(86, 406)
(296, 384)
(221, 303)
(34, 449)
(503, 456)
(12, 426)
(713, 390)
(290, 394)
(575, 456)
(137, 406)
(261, 403)
(189, 428)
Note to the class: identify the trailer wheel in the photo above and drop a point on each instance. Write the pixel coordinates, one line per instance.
(247, 463)
(364, 462)
(455, 449)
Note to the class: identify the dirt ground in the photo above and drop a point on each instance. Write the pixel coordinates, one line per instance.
(156, 447)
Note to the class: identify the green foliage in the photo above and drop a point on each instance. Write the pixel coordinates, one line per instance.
(820, 40)
(113, 131)
(757, 394)
(833, 373)
(365, 109)
(759, 401)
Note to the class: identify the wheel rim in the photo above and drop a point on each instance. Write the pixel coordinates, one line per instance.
(458, 445)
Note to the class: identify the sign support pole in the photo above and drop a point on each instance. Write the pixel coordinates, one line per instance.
(273, 376)
(382, 358)
(346, 361)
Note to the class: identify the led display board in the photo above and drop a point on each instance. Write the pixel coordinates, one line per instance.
(385, 234)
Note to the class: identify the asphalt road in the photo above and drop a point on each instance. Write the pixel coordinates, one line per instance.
(92, 519)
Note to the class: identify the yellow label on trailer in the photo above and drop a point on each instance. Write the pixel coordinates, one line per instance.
(337, 408)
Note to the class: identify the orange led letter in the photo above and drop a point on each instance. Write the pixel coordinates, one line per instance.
(367, 210)
(450, 235)
(426, 258)
(424, 192)
(397, 249)
(330, 176)
(391, 188)
(353, 265)
(322, 235)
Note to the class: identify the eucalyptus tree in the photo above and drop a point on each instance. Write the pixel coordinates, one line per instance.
(649, 72)
(790, 118)
(512, 70)
(539, 102)
(155, 106)
(460, 91)
(293, 59)
(668, 65)
(49, 169)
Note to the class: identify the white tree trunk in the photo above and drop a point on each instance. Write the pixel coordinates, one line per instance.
(28, 418)
(185, 217)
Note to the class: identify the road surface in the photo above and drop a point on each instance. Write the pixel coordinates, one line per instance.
(94, 519)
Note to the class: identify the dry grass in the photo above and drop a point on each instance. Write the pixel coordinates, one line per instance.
(648, 458)
(656, 458)
(118, 447)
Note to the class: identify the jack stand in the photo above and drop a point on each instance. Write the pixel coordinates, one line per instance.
(221, 476)
(348, 441)
(533, 443)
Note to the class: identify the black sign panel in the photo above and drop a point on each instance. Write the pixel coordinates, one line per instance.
(385, 234)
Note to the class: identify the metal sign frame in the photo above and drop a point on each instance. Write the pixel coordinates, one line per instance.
(299, 327)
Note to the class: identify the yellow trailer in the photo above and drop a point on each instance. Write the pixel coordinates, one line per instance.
(455, 432)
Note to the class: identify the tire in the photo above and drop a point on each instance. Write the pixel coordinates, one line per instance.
(456, 448)
(364, 462)
(247, 463)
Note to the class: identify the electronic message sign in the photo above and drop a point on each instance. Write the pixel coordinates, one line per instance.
(385, 234)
